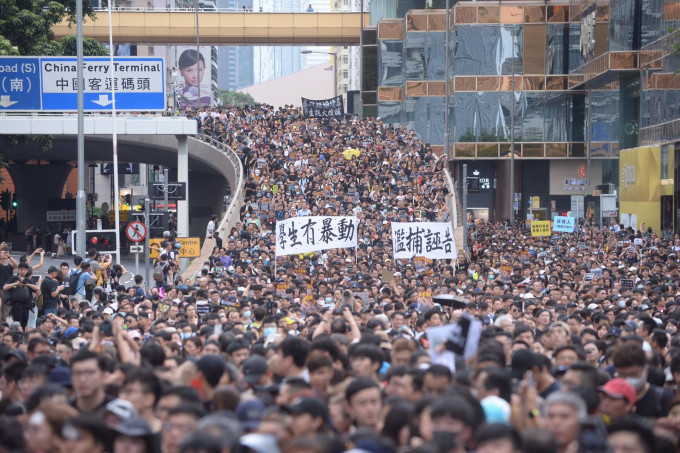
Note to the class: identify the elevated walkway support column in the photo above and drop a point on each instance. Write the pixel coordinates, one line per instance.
(183, 176)
(183, 205)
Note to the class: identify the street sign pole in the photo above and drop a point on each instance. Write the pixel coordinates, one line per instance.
(465, 224)
(136, 263)
(80, 195)
(166, 211)
(116, 200)
(147, 273)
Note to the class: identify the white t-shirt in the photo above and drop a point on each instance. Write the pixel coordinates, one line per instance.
(210, 230)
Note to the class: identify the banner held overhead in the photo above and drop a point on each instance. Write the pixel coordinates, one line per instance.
(432, 240)
(313, 233)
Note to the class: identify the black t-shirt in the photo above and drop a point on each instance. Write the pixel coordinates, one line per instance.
(655, 403)
(6, 272)
(107, 399)
(46, 287)
(22, 294)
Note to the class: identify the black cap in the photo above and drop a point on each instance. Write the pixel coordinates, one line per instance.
(614, 332)
(522, 361)
(52, 269)
(253, 368)
(312, 406)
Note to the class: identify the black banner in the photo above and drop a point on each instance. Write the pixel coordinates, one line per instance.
(325, 108)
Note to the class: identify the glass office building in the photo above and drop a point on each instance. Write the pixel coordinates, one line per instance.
(561, 79)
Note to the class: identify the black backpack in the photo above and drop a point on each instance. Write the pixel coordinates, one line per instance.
(72, 288)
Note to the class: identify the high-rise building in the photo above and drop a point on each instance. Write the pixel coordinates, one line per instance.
(235, 62)
(552, 90)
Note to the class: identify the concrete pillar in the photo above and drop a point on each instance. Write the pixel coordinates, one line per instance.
(34, 185)
(183, 176)
(501, 206)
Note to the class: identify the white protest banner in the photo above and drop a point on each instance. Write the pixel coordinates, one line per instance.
(432, 240)
(563, 224)
(313, 233)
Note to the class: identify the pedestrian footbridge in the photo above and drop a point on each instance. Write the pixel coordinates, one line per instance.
(176, 26)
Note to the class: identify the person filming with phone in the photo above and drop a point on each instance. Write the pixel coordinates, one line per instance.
(19, 292)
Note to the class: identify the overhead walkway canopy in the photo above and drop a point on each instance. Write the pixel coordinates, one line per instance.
(218, 27)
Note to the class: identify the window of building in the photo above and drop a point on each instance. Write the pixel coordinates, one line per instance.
(345, 59)
(345, 74)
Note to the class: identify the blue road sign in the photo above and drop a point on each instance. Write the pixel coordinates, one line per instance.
(138, 82)
(51, 83)
(19, 84)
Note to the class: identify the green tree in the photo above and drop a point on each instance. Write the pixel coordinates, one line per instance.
(235, 98)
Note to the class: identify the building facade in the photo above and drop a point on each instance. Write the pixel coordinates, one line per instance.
(562, 80)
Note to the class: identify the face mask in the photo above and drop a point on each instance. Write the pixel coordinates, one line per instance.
(329, 300)
(269, 331)
(246, 314)
(622, 304)
(639, 382)
(249, 261)
(491, 277)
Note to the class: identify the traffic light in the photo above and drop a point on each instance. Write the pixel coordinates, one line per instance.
(101, 241)
(5, 200)
(128, 199)
(15, 203)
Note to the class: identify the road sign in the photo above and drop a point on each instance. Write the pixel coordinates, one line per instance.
(139, 83)
(191, 247)
(136, 249)
(126, 168)
(136, 231)
(19, 84)
(176, 191)
(122, 215)
(50, 83)
(61, 216)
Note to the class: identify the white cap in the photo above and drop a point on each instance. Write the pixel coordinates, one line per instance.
(108, 311)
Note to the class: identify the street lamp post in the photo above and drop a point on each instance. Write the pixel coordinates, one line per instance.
(512, 136)
(198, 60)
(335, 66)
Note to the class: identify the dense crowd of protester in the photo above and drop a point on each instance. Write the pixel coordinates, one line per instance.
(328, 351)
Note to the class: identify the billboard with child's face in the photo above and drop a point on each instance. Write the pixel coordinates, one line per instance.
(193, 71)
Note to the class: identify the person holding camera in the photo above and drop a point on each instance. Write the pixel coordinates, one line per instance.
(19, 292)
(51, 289)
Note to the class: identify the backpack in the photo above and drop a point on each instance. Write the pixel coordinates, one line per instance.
(159, 272)
(72, 288)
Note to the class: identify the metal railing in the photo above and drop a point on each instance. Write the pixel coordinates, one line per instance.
(232, 213)
(208, 9)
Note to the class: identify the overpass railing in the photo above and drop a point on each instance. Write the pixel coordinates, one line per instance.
(232, 213)
(210, 9)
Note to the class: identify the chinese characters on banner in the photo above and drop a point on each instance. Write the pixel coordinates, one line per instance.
(540, 228)
(564, 224)
(325, 108)
(432, 240)
(313, 233)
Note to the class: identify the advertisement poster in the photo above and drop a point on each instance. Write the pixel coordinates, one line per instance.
(193, 70)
